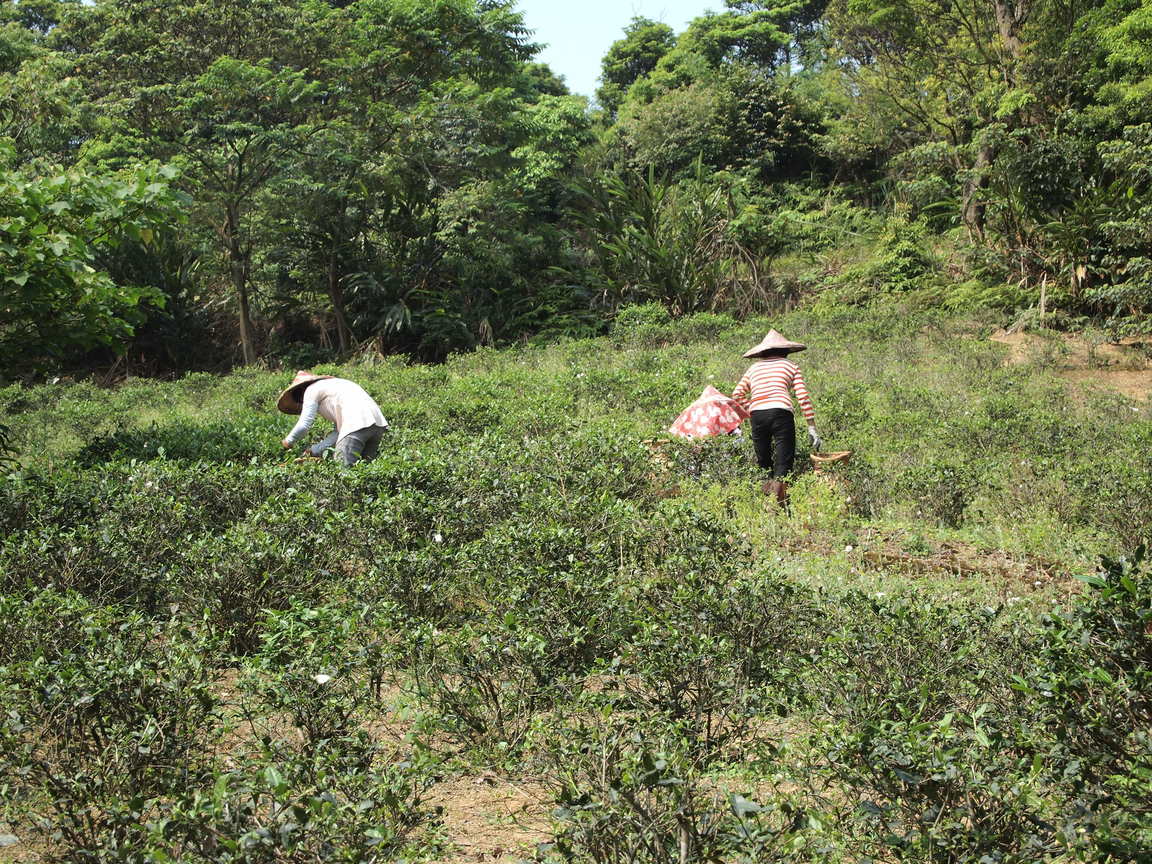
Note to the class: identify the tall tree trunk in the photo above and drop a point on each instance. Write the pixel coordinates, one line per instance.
(238, 268)
(973, 206)
(247, 343)
(336, 293)
(1010, 18)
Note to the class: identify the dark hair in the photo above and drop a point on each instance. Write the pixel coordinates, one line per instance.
(298, 390)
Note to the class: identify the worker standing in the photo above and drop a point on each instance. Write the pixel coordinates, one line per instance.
(766, 392)
(356, 416)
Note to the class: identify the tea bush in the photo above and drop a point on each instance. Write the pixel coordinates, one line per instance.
(931, 743)
(107, 715)
(486, 686)
(712, 655)
(1096, 684)
(340, 803)
(630, 795)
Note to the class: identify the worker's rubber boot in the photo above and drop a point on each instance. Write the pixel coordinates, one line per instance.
(782, 497)
(777, 493)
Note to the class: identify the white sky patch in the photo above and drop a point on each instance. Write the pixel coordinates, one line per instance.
(577, 35)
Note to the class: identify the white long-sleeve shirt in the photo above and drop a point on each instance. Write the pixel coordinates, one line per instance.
(345, 403)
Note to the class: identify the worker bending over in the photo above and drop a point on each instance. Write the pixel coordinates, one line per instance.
(356, 416)
(766, 392)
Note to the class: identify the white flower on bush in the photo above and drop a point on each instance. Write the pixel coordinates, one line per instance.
(321, 678)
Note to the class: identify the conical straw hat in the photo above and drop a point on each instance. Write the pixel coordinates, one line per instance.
(291, 401)
(775, 342)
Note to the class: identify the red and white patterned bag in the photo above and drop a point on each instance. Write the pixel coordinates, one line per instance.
(712, 414)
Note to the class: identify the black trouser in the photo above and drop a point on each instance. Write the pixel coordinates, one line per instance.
(774, 435)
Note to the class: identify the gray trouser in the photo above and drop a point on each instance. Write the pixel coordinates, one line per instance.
(361, 444)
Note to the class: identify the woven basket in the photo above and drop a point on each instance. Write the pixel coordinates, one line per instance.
(822, 459)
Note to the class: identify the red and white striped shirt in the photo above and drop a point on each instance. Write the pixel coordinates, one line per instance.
(766, 385)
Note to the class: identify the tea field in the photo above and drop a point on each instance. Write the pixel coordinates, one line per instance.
(533, 630)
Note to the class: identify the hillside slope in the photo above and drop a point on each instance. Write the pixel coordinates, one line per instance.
(612, 651)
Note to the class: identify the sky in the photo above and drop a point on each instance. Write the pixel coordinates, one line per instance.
(577, 33)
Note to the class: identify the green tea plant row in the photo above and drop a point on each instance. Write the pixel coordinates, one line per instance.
(211, 655)
(923, 731)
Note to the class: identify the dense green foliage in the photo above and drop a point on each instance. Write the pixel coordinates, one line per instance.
(56, 229)
(400, 176)
(212, 655)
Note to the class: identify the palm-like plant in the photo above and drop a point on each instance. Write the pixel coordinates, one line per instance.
(654, 240)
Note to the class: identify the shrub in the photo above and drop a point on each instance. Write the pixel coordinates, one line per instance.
(343, 802)
(520, 583)
(630, 794)
(1095, 680)
(485, 684)
(106, 720)
(314, 668)
(711, 656)
(923, 727)
(7, 447)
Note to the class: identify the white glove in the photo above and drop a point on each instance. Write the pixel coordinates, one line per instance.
(814, 438)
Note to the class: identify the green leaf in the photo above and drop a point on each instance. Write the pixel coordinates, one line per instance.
(742, 807)
(1093, 580)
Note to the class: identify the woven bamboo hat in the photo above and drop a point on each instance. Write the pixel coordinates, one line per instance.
(291, 401)
(777, 343)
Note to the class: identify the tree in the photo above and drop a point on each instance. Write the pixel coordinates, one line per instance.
(538, 79)
(36, 16)
(319, 214)
(677, 127)
(645, 42)
(243, 125)
(329, 103)
(426, 100)
(190, 83)
(801, 21)
(40, 106)
(56, 296)
(722, 94)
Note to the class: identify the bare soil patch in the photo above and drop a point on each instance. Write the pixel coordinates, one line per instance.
(1134, 385)
(961, 559)
(1124, 366)
(490, 818)
(19, 852)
